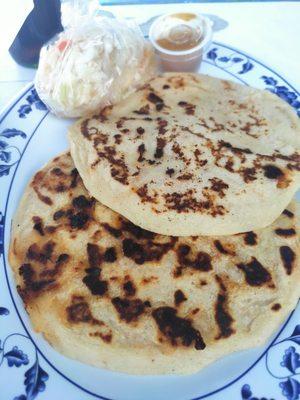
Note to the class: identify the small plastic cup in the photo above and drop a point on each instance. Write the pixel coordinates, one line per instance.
(181, 60)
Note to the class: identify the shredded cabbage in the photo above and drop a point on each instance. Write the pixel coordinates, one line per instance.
(94, 63)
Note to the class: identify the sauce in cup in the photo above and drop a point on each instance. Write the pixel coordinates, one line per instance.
(180, 39)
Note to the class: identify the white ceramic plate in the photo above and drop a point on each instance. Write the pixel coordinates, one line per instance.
(30, 368)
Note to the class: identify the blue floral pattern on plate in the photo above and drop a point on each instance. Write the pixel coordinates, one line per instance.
(31, 100)
(35, 376)
(30, 361)
(244, 64)
(283, 92)
(290, 386)
(246, 394)
(7, 150)
(10, 154)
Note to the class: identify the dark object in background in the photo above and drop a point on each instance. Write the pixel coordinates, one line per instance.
(43, 22)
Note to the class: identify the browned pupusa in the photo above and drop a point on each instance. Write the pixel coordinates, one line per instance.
(192, 155)
(103, 290)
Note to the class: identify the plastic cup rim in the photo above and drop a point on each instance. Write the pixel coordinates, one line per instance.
(207, 37)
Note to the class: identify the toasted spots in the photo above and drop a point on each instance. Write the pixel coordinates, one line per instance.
(160, 144)
(140, 130)
(38, 225)
(233, 149)
(55, 181)
(62, 258)
(223, 318)
(179, 152)
(56, 171)
(219, 186)
(45, 199)
(79, 312)
(149, 280)
(110, 255)
(136, 231)
(170, 171)
(118, 138)
(82, 202)
(226, 85)
(139, 244)
(94, 255)
(143, 110)
(285, 232)
(42, 254)
(58, 214)
(185, 177)
(250, 238)
(288, 213)
(188, 107)
(153, 98)
(56, 266)
(118, 168)
(129, 288)
(255, 273)
(113, 231)
(97, 287)
(27, 272)
(132, 249)
(249, 173)
(60, 188)
(143, 193)
(159, 106)
(199, 161)
(288, 258)
(32, 285)
(84, 129)
(50, 228)
(78, 220)
(276, 307)
(74, 178)
(162, 124)
(179, 297)
(272, 171)
(177, 81)
(185, 202)
(141, 150)
(107, 338)
(147, 251)
(178, 331)
(201, 261)
(129, 310)
(35, 278)
(92, 279)
(221, 249)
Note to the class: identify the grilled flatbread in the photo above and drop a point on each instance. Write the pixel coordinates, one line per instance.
(108, 293)
(192, 155)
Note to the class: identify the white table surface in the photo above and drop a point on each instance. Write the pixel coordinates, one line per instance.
(270, 31)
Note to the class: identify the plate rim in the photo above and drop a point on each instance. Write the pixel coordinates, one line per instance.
(3, 114)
